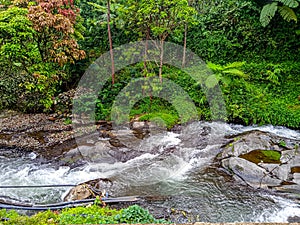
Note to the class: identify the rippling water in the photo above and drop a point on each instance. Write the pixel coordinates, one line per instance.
(183, 174)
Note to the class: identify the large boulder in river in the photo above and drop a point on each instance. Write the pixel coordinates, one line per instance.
(263, 160)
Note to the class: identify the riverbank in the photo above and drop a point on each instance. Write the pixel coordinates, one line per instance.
(41, 133)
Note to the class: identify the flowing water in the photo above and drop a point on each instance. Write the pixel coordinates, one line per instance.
(181, 171)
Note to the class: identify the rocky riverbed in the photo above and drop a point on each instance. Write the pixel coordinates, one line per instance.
(254, 159)
(257, 158)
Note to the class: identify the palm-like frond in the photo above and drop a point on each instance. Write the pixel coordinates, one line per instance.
(287, 13)
(235, 72)
(215, 67)
(234, 65)
(289, 3)
(267, 13)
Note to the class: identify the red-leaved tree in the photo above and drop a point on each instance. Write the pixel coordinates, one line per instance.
(54, 21)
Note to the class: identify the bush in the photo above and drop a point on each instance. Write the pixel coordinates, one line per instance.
(82, 215)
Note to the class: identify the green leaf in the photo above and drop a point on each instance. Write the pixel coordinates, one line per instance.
(234, 65)
(267, 13)
(215, 67)
(289, 3)
(236, 72)
(98, 7)
(287, 13)
(17, 64)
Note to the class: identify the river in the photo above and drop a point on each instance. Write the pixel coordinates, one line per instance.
(183, 174)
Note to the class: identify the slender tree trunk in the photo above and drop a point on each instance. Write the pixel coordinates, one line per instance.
(184, 41)
(184, 46)
(110, 43)
(161, 59)
(145, 53)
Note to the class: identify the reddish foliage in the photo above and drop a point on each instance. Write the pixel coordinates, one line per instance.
(54, 21)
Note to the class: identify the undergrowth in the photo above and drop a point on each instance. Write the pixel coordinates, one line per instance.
(92, 214)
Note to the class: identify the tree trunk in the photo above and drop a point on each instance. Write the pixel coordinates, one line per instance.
(146, 52)
(161, 59)
(184, 45)
(110, 43)
(184, 41)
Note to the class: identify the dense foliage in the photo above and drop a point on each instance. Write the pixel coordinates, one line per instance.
(38, 41)
(83, 215)
(251, 46)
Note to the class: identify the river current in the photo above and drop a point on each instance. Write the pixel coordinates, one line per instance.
(185, 177)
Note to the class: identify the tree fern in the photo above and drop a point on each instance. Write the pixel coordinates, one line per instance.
(287, 13)
(289, 3)
(267, 13)
(269, 10)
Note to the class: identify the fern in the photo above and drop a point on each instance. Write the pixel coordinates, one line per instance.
(287, 13)
(289, 3)
(226, 73)
(235, 72)
(267, 13)
(214, 67)
(234, 65)
(269, 10)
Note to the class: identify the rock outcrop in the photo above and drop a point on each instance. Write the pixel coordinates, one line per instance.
(263, 160)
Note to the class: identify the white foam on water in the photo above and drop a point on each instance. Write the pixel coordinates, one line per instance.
(287, 210)
(162, 140)
(278, 130)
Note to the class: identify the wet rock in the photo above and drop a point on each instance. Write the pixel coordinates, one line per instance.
(294, 219)
(96, 153)
(139, 125)
(247, 142)
(89, 189)
(124, 138)
(125, 154)
(253, 175)
(261, 160)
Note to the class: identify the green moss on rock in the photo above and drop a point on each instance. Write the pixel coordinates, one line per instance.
(264, 156)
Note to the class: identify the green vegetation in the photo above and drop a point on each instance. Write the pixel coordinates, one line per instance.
(285, 10)
(82, 215)
(263, 156)
(253, 53)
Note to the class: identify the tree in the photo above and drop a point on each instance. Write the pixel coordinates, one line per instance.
(110, 43)
(54, 22)
(158, 19)
(17, 39)
(40, 39)
(185, 40)
(106, 12)
(284, 7)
